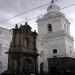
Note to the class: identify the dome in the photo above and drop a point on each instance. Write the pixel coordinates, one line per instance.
(53, 8)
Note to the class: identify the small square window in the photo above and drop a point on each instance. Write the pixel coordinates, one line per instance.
(54, 51)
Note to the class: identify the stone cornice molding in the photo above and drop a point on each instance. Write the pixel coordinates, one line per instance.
(55, 35)
(52, 16)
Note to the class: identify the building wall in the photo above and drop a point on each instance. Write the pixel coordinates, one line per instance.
(47, 45)
(58, 38)
(58, 22)
(69, 47)
(61, 65)
(5, 39)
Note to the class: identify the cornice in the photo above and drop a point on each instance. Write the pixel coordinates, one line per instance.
(55, 35)
(52, 16)
(49, 16)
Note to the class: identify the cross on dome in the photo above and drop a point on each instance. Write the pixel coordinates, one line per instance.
(53, 8)
(52, 1)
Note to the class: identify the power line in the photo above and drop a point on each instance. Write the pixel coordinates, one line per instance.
(24, 21)
(43, 15)
(68, 6)
(24, 12)
(29, 11)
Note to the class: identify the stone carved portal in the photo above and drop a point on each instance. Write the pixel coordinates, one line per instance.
(28, 66)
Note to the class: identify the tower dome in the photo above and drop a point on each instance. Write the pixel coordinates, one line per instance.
(52, 8)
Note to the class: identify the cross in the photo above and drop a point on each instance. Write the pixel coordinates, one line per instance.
(53, 1)
(26, 19)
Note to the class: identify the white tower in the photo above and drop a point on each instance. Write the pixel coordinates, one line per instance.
(54, 38)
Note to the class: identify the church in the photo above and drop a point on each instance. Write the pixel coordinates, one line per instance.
(51, 51)
(54, 42)
(22, 54)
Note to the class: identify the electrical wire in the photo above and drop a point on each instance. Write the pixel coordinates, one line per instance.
(43, 15)
(24, 12)
(36, 16)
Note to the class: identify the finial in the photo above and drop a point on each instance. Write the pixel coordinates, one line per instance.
(26, 21)
(34, 30)
(20, 26)
(52, 1)
(16, 27)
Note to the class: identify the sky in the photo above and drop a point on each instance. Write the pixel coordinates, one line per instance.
(10, 8)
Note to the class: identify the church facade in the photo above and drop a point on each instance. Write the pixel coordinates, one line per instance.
(54, 41)
(22, 54)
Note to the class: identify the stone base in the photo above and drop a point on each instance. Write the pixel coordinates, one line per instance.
(61, 66)
(8, 73)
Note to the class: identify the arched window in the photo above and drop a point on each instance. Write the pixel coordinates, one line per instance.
(49, 27)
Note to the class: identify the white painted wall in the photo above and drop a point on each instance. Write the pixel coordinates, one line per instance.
(69, 46)
(5, 39)
(59, 38)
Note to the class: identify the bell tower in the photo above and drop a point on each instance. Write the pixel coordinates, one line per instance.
(54, 38)
(53, 20)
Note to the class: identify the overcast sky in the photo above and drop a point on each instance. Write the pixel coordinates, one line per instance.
(10, 8)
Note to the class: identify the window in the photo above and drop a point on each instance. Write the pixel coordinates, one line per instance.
(54, 51)
(49, 27)
(27, 41)
(70, 49)
(50, 6)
